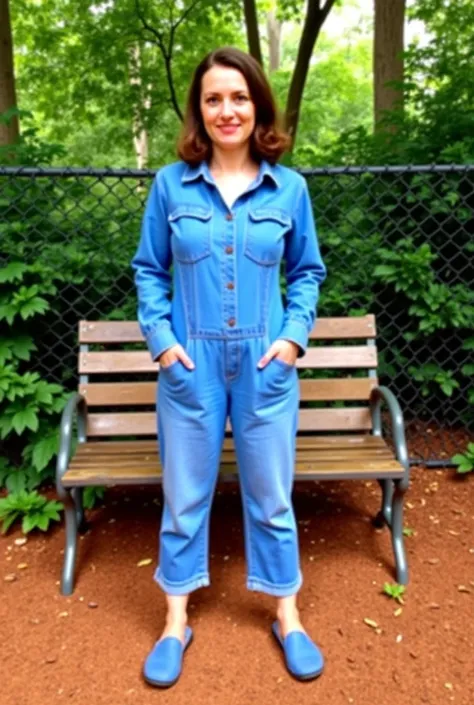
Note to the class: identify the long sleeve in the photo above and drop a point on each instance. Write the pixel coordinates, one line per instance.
(305, 271)
(151, 264)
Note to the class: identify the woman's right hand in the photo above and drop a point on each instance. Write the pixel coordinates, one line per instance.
(176, 352)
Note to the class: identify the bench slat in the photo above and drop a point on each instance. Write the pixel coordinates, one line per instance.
(351, 357)
(351, 443)
(324, 329)
(145, 424)
(137, 393)
(324, 469)
(151, 460)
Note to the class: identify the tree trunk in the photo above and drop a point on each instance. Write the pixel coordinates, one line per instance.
(251, 24)
(140, 134)
(274, 38)
(314, 20)
(388, 56)
(8, 133)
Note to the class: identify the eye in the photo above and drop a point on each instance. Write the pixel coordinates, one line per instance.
(242, 98)
(212, 100)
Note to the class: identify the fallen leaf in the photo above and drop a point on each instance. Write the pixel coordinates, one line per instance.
(453, 533)
(144, 561)
(398, 612)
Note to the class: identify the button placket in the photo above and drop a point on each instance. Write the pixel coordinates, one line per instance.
(228, 283)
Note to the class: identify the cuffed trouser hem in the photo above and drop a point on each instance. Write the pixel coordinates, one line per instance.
(275, 590)
(184, 587)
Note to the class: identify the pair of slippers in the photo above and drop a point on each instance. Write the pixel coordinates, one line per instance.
(164, 663)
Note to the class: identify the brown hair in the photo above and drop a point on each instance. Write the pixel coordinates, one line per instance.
(268, 140)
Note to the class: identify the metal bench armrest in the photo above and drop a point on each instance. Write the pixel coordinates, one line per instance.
(383, 394)
(76, 407)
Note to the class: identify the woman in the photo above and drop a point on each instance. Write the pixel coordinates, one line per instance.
(225, 216)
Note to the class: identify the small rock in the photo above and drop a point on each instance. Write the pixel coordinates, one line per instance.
(50, 659)
(453, 533)
(63, 614)
(10, 578)
(413, 654)
(433, 561)
(434, 606)
(22, 566)
(370, 623)
(34, 620)
(399, 638)
(449, 686)
(92, 605)
(463, 588)
(226, 558)
(21, 541)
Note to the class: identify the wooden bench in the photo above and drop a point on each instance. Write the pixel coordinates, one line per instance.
(117, 444)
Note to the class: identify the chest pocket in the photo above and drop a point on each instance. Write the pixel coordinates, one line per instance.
(265, 241)
(190, 233)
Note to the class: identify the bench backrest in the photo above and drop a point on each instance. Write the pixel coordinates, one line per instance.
(119, 383)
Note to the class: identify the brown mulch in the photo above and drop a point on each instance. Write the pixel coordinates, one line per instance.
(89, 648)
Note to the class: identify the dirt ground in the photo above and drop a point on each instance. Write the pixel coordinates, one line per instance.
(89, 648)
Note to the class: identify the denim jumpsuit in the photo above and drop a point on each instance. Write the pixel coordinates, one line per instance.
(222, 302)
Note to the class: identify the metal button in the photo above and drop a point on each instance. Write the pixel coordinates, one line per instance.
(231, 322)
(229, 216)
(229, 250)
(230, 285)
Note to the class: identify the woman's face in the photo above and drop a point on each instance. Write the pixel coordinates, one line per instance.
(227, 109)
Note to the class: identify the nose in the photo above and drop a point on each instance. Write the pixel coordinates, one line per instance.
(226, 110)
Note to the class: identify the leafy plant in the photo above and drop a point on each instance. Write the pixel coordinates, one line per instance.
(92, 495)
(34, 511)
(395, 591)
(465, 461)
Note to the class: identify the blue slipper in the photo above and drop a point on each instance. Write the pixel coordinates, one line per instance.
(163, 664)
(303, 658)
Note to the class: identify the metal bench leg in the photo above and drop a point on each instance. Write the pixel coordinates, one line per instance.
(397, 533)
(67, 578)
(82, 524)
(384, 516)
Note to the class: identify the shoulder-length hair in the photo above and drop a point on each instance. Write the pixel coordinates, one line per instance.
(268, 140)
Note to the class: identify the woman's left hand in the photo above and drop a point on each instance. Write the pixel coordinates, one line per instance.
(283, 349)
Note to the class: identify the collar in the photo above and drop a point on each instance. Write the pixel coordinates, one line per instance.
(193, 173)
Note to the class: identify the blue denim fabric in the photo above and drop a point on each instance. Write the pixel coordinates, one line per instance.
(226, 309)
(226, 263)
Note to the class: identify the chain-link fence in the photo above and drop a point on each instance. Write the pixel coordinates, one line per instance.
(397, 242)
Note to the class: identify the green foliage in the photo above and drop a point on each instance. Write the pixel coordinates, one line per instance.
(465, 461)
(92, 496)
(34, 511)
(394, 591)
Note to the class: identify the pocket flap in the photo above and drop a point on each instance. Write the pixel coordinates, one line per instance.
(190, 211)
(275, 214)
